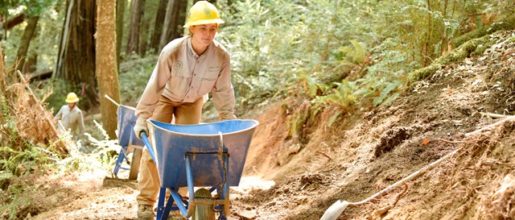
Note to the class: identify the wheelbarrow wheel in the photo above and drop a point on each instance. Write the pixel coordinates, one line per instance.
(203, 211)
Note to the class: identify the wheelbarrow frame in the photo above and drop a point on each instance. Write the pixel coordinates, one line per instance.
(126, 119)
(221, 204)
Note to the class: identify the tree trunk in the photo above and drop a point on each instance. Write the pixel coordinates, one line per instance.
(428, 47)
(106, 65)
(120, 15)
(31, 63)
(76, 61)
(174, 20)
(137, 7)
(63, 39)
(158, 25)
(3, 75)
(445, 41)
(168, 20)
(143, 37)
(28, 34)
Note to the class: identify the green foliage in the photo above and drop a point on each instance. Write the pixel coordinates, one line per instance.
(342, 96)
(334, 117)
(314, 45)
(32, 7)
(297, 123)
(18, 156)
(45, 43)
(354, 54)
(311, 85)
(273, 42)
(474, 46)
(53, 92)
(385, 94)
(21, 162)
(134, 75)
(16, 200)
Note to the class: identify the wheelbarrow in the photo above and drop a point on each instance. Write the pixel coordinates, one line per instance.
(126, 120)
(210, 155)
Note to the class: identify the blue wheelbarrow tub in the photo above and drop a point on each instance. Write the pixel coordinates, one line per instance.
(171, 142)
(126, 121)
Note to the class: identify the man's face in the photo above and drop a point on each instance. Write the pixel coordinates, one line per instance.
(204, 34)
(71, 105)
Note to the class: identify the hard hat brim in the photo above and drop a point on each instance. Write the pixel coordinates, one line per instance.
(207, 21)
(73, 100)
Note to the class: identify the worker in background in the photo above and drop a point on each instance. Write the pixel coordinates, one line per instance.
(69, 117)
(187, 69)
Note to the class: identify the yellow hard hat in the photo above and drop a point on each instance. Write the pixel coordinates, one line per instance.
(72, 98)
(203, 12)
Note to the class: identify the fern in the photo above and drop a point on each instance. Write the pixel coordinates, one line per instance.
(386, 92)
(342, 96)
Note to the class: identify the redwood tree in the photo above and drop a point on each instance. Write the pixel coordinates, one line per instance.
(106, 64)
(76, 58)
(28, 35)
(174, 20)
(158, 25)
(120, 17)
(133, 40)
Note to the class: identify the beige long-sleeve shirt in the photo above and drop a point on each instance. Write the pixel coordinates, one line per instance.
(71, 119)
(183, 76)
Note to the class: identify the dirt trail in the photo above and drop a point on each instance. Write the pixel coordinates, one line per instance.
(363, 153)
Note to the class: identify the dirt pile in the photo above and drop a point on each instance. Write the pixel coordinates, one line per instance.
(365, 152)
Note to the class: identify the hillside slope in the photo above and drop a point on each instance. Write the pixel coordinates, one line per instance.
(365, 152)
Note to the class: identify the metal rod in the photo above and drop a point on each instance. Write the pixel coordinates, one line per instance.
(209, 152)
(189, 177)
(226, 186)
(168, 208)
(178, 200)
(112, 100)
(148, 146)
(160, 203)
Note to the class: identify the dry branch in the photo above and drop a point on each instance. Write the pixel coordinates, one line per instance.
(48, 122)
(12, 22)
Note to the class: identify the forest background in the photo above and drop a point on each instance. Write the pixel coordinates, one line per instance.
(341, 55)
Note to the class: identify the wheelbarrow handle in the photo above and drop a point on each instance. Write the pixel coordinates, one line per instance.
(144, 137)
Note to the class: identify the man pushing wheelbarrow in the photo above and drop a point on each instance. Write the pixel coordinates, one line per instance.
(187, 69)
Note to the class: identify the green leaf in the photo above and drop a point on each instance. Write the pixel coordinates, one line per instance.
(5, 175)
(333, 118)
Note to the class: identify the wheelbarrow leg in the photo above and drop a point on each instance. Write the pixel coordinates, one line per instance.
(180, 205)
(163, 211)
(136, 157)
(201, 211)
(161, 204)
(119, 161)
(225, 190)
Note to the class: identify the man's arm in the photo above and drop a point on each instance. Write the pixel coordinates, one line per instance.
(156, 84)
(81, 123)
(223, 93)
(59, 114)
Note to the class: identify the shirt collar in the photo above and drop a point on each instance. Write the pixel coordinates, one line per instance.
(190, 48)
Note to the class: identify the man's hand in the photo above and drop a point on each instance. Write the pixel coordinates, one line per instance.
(140, 126)
(226, 116)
